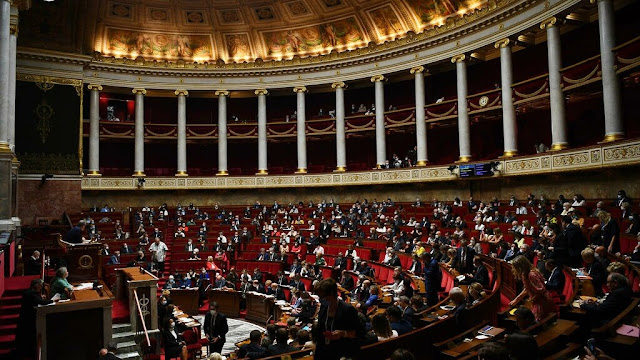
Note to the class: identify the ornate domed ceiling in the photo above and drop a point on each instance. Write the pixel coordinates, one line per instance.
(230, 30)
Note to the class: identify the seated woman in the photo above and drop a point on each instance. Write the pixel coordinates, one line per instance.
(476, 293)
(211, 265)
(370, 301)
(382, 328)
(60, 285)
(174, 345)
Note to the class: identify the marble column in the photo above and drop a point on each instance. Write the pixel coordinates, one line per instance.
(13, 49)
(341, 142)
(613, 123)
(138, 166)
(222, 132)
(381, 144)
(262, 131)
(421, 125)
(509, 125)
(300, 128)
(94, 130)
(5, 46)
(464, 136)
(556, 97)
(182, 132)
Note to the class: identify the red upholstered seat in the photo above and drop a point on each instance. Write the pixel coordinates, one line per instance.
(191, 338)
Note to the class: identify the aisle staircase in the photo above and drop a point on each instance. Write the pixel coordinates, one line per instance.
(124, 339)
(10, 312)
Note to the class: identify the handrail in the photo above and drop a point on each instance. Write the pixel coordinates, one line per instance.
(144, 326)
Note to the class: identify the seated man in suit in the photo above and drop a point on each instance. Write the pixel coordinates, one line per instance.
(276, 291)
(115, 258)
(398, 323)
(220, 282)
(365, 270)
(616, 301)
(556, 279)
(34, 264)
(480, 275)
(216, 328)
(404, 303)
(262, 256)
(257, 287)
(252, 350)
(281, 346)
(346, 281)
(190, 246)
(460, 301)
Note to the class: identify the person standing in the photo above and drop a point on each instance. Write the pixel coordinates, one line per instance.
(216, 328)
(75, 235)
(542, 303)
(26, 331)
(34, 264)
(338, 327)
(158, 252)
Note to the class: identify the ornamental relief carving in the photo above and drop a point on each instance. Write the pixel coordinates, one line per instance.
(523, 165)
(622, 153)
(571, 159)
(595, 156)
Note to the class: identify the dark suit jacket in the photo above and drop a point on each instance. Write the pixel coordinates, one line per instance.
(172, 346)
(217, 329)
(295, 269)
(615, 302)
(262, 257)
(402, 327)
(251, 351)
(114, 260)
(259, 289)
(220, 283)
(347, 283)
(395, 261)
(556, 280)
(459, 313)
(599, 275)
(466, 266)
(298, 285)
(418, 267)
(189, 248)
(279, 294)
(109, 356)
(277, 349)
(367, 271)
(407, 314)
(575, 239)
(33, 266)
(341, 263)
(481, 276)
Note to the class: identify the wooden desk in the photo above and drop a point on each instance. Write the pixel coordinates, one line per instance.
(186, 300)
(78, 328)
(228, 301)
(461, 347)
(259, 308)
(130, 280)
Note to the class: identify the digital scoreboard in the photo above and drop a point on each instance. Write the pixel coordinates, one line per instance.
(476, 170)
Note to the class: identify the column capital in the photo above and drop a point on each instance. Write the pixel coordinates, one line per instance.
(300, 89)
(181, 92)
(550, 22)
(139, 91)
(221, 93)
(95, 87)
(339, 85)
(502, 43)
(261, 92)
(377, 78)
(459, 58)
(417, 69)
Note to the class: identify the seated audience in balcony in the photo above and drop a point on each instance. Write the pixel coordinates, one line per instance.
(622, 198)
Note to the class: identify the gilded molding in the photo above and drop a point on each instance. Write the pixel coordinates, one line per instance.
(14, 21)
(550, 22)
(417, 69)
(502, 43)
(48, 79)
(261, 92)
(458, 58)
(377, 78)
(139, 91)
(339, 84)
(181, 92)
(221, 93)
(298, 89)
(95, 87)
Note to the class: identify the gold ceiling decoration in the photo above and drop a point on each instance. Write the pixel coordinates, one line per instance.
(234, 31)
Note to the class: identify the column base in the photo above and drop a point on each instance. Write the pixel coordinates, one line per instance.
(222, 173)
(138, 173)
(422, 163)
(5, 148)
(301, 171)
(559, 146)
(93, 173)
(378, 167)
(612, 137)
(262, 172)
(182, 173)
(464, 159)
(510, 153)
(340, 169)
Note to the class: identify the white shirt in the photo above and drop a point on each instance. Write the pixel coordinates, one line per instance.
(222, 239)
(318, 250)
(393, 335)
(160, 250)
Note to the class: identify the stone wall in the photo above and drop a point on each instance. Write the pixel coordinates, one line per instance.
(592, 185)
